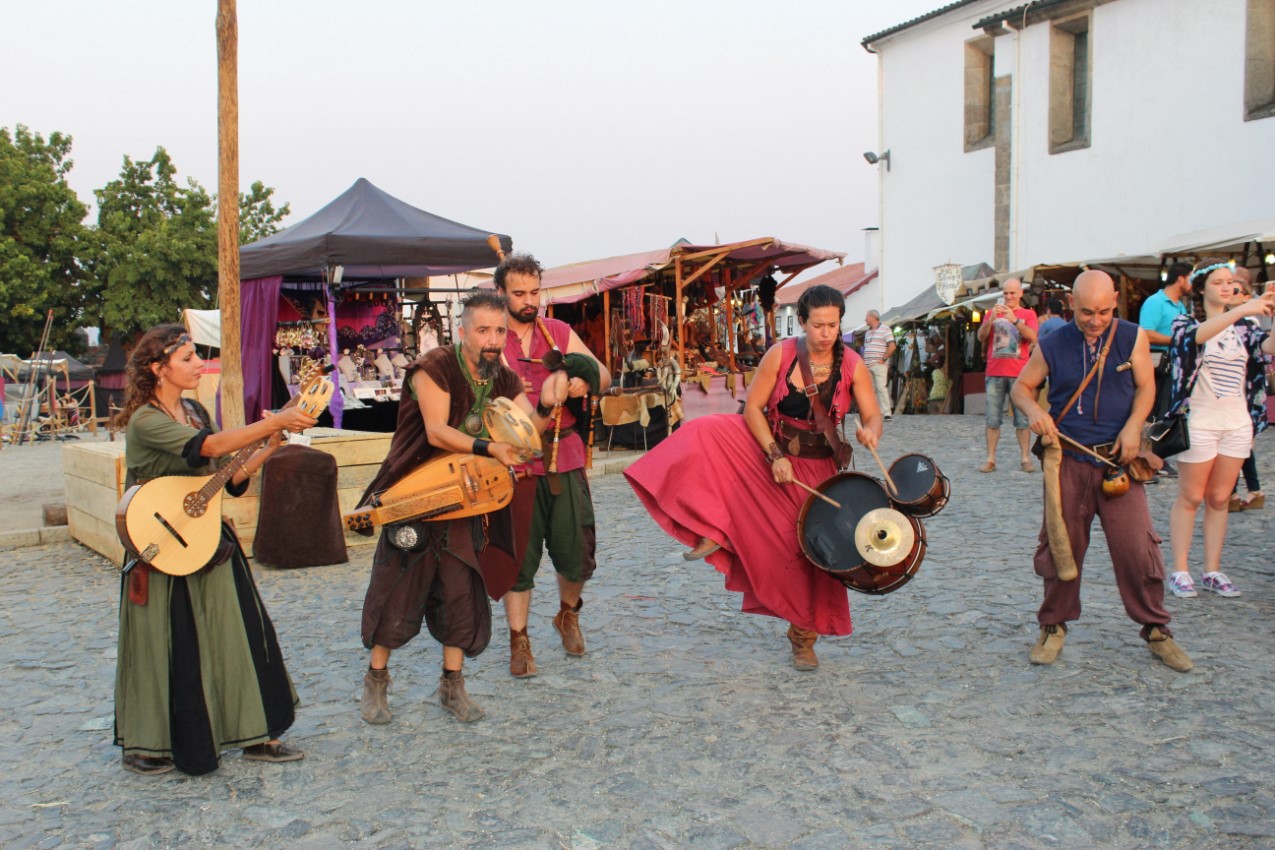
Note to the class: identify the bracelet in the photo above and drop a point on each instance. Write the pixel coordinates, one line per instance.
(542, 411)
(480, 448)
(773, 454)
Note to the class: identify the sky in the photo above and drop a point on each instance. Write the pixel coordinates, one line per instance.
(582, 129)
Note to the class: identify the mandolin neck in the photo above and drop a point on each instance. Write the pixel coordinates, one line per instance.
(223, 475)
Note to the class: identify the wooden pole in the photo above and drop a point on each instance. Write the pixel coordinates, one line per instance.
(731, 337)
(681, 315)
(612, 367)
(232, 409)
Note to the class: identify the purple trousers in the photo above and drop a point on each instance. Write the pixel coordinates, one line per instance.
(1134, 545)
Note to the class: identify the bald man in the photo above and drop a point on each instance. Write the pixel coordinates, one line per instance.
(1107, 417)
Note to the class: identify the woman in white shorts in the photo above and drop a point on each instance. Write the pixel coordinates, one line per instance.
(1218, 379)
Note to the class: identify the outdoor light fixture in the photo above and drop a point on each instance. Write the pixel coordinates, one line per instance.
(338, 272)
(1270, 259)
(976, 317)
(873, 158)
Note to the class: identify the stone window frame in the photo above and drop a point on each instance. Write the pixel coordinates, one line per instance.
(1062, 84)
(980, 93)
(1259, 60)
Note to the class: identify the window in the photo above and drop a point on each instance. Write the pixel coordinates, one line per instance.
(1259, 64)
(1070, 85)
(980, 94)
(790, 320)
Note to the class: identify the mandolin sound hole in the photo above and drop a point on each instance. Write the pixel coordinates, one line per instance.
(194, 505)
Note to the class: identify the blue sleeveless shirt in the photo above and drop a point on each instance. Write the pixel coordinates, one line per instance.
(1095, 418)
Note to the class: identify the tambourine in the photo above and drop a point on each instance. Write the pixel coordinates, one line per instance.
(508, 423)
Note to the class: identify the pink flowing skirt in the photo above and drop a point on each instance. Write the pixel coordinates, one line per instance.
(710, 479)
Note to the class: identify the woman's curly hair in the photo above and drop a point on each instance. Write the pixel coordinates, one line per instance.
(155, 346)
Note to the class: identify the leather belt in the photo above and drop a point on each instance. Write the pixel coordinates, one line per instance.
(797, 442)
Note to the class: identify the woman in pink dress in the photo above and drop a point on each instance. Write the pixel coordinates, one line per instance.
(723, 484)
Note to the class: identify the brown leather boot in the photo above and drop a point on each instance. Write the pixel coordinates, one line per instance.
(522, 665)
(375, 706)
(452, 696)
(567, 622)
(1163, 647)
(803, 648)
(1049, 644)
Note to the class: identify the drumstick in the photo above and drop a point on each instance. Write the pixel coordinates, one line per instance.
(884, 471)
(812, 491)
(1088, 451)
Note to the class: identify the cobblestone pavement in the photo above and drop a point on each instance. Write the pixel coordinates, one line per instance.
(684, 726)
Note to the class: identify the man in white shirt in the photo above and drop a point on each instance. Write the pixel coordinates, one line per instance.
(878, 348)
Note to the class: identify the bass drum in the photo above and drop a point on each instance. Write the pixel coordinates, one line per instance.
(827, 534)
(923, 490)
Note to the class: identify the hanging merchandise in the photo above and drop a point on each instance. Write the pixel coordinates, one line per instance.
(634, 315)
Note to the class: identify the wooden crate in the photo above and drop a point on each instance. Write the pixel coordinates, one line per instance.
(94, 475)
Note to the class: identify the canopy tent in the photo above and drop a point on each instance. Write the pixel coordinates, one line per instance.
(204, 327)
(372, 235)
(578, 281)
(1222, 239)
(928, 300)
(59, 364)
(735, 266)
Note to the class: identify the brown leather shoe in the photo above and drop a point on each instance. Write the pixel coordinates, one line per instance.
(146, 765)
(705, 548)
(567, 622)
(1049, 644)
(522, 665)
(375, 706)
(803, 648)
(452, 696)
(1163, 647)
(277, 751)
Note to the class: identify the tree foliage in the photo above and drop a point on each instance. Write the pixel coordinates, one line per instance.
(157, 246)
(258, 217)
(41, 237)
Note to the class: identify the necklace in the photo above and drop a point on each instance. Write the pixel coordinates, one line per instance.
(184, 420)
(473, 423)
(524, 340)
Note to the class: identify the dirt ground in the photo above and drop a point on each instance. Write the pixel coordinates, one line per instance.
(30, 477)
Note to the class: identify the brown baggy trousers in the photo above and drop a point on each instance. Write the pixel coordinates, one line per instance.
(1134, 545)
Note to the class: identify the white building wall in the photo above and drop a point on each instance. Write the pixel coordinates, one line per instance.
(936, 203)
(1170, 151)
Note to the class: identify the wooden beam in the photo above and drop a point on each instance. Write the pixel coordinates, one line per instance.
(232, 411)
(606, 331)
(734, 246)
(702, 270)
(732, 339)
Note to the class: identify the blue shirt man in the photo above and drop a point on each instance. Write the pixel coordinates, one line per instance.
(1158, 312)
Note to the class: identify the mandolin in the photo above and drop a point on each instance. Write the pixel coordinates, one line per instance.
(173, 523)
(449, 487)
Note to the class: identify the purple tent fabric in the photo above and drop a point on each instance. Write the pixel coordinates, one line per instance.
(258, 314)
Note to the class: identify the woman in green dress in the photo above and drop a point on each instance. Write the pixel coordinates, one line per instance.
(199, 668)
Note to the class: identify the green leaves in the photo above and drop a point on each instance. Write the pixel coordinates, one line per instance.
(151, 253)
(41, 238)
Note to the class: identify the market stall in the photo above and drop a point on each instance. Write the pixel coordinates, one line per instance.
(336, 287)
(688, 314)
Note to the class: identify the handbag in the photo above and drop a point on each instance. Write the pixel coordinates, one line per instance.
(1168, 435)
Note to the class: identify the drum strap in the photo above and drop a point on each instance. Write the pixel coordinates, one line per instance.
(823, 421)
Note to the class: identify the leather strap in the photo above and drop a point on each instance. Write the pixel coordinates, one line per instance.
(823, 421)
(1095, 369)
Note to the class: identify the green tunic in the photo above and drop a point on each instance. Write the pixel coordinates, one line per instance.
(198, 668)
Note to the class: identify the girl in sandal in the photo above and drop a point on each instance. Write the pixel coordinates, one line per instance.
(1218, 378)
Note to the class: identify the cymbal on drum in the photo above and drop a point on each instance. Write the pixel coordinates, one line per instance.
(884, 537)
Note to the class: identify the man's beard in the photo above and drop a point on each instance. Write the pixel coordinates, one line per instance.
(488, 361)
(526, 315)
